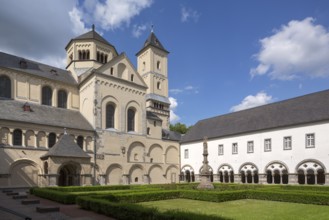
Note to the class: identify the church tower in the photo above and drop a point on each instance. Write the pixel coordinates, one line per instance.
(88, 51)
(152, 64)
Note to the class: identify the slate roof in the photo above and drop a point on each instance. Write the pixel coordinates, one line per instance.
(13, 62)
(152, 116)
(44, 115)
(301, 110)
(171, 135)
(65, 147)
(152, 40)
(159, 98)
(91, 35)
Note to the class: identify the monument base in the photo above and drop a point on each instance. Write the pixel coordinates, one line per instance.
(205, 183)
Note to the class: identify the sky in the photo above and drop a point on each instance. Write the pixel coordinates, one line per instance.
(225, 55)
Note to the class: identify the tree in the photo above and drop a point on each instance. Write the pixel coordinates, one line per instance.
(179, 127)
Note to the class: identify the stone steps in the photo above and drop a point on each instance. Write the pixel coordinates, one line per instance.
(30, 201)
(44, 209)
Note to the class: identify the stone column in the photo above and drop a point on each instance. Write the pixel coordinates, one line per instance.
(252, 178)
(146, 179)
(125, 179)
(86, 180)
(102, 179)
(24, 138)
(316, 178)
(53, 179)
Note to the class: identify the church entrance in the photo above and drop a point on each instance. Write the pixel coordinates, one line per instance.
(69, 175)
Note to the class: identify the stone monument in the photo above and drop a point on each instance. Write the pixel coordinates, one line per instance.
(205, 173)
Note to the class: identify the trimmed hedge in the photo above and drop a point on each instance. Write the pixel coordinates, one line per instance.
(126, 211)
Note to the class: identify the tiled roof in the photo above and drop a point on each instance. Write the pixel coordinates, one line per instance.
(301, 110)
(66, 147)
(44, 115)
(171, 135)
(152, 116)
(152, 40)
(28, 66)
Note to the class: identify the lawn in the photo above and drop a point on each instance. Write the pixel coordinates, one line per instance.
(246, 209)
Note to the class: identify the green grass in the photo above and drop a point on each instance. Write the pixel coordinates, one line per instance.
(246, 209)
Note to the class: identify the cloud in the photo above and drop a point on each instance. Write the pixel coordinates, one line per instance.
(36, 29)
(251, 101)
(112, 14)
(298, 49)
(78, 24)
(188, 14)
(173, 105)
(187, 89)
(138, 30)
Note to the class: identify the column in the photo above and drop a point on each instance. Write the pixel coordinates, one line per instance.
(315, 178)
(280, 178)
(125, 179)
(10, 137)
(252, 178)
(24, 138)
(272, 177)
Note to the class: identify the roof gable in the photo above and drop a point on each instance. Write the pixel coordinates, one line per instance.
(122, 60)
(65, 147)
(301, 110)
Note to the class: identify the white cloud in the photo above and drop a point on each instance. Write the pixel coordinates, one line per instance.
(186, 89)
(114, 13)
(300, 48)
(251, 101)
(138, 30)
(173, 105)
(78, 24)
(187, 14)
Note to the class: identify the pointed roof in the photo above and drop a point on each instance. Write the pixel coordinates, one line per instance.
(91, 35)
(65, 147)
(153, 41)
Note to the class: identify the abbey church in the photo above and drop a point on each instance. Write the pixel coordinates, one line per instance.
(99, 121)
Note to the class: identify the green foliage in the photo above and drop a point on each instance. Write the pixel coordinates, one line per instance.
(179, 127)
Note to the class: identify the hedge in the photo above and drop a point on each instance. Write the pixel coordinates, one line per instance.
(126, 211)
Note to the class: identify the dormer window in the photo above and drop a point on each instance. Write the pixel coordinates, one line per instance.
(22, 64)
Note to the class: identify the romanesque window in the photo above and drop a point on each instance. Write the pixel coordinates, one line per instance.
(62, 99)
(47, 95)
(132, 78)
(310, 140)
(84, 55)
(51, 140)
(158, 85)
(80, 141)
(234, 148)
(5, 87)
(186, 154)
(131, 120)
(250, 147)
(267, 145)
(287, 143)
(220, 149)
(158, 65)
(110, 111)
(17, 137)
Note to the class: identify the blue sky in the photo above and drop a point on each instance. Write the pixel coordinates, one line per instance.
(224, 56)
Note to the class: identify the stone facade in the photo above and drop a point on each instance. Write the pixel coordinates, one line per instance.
(116, 113)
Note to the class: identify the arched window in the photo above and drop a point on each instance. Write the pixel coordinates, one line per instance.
(102, 58)
(47, 95)
(17, 137)
(80, 55)
(80, 141)
(45, 167)
(131, 120)
(132, 78)
(110, 111)
(62, 99)
(87, 55)
(105, 59)
(158, 65)
(5, 87)
(51, 140)
(158, 85)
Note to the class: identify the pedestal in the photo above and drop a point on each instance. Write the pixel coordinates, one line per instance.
(205, 182)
